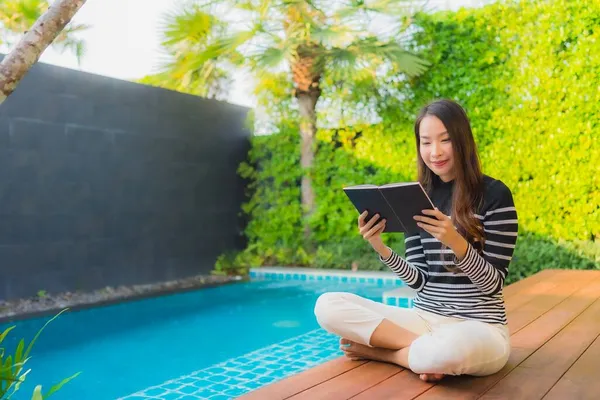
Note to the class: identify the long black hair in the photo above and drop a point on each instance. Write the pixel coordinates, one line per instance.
(468, 178)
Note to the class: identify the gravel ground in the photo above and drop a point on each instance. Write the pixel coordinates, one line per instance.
(54, 302)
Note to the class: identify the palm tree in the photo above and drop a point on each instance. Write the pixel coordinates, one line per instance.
(187, 32)
(310, 40)
(45, 29)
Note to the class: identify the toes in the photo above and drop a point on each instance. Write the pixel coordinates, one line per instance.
(353, 356)
(346, 344)
(435, 377)
(431, 377)
(345, 347)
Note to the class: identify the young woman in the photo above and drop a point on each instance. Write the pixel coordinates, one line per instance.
(456, 263)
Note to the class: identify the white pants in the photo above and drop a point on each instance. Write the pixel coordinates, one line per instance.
(445, 345)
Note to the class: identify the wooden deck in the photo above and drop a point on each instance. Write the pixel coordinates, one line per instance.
(554, 319)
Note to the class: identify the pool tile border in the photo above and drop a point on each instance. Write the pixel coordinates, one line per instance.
(399, 297)
(314, 274)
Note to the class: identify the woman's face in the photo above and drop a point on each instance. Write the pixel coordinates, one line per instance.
(436, 148)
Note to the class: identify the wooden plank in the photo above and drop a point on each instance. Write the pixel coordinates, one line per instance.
(520, 387)
(524, 284)
(547, 325)
(351, 383)
(404, 385)
(521, 291)
(530, 293)
(528, 302)
(539, 372)
(524, 315)
(581, 380)
(408, 385)
(305, 380)
(473, 387)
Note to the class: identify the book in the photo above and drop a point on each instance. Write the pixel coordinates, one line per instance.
(397, 203)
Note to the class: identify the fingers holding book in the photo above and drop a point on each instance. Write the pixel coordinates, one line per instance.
(371, 228)
(438, 225)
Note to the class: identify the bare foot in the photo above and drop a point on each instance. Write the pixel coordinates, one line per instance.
(356, 351)
(431, 377)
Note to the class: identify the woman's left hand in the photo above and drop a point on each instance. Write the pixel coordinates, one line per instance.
(439, 226)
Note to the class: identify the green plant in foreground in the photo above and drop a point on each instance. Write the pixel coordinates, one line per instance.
(12, 373)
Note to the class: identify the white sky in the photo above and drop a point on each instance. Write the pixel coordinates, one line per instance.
(123, 41)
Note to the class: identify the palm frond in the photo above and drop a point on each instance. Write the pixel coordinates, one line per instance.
(374, 49)
(331, 41)
(247, 5)
(332, 36)
(270, 57)
(403, 60)
(223, 46)
(196, 46)
(341, 57)
(189, 23)
(263, 9)
(383, 7)
(348, 65)
(363, 58)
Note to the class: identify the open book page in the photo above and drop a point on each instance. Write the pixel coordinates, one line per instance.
(398, 184)
(372, 200)
(364, 186)
(406, 202)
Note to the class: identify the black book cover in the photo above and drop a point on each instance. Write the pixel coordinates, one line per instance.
(398, 203)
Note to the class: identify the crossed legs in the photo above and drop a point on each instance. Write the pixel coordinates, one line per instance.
(371, 330)
(427, 344)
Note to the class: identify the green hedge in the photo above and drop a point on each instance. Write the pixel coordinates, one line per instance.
(527, 72)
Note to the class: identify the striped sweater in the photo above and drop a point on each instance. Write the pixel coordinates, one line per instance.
(476, 292)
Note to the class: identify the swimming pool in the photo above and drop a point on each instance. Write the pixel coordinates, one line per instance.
(213, 343)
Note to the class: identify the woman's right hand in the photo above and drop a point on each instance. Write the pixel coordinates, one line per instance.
(371, 231)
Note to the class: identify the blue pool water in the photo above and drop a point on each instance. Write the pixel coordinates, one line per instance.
(126, 348)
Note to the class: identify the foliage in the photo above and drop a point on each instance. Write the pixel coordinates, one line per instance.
(536, 252)
(265, 35)
(274, 230)
(315, 45)
(187, 31)
(18, 16)
(279, 42)
(12, 374)
(534, 116)
(214, 87)
(529, 97)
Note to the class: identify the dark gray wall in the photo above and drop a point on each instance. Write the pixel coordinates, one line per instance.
(108, 182)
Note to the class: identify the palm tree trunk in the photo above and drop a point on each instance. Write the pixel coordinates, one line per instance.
(308, 128)
(29, 49)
